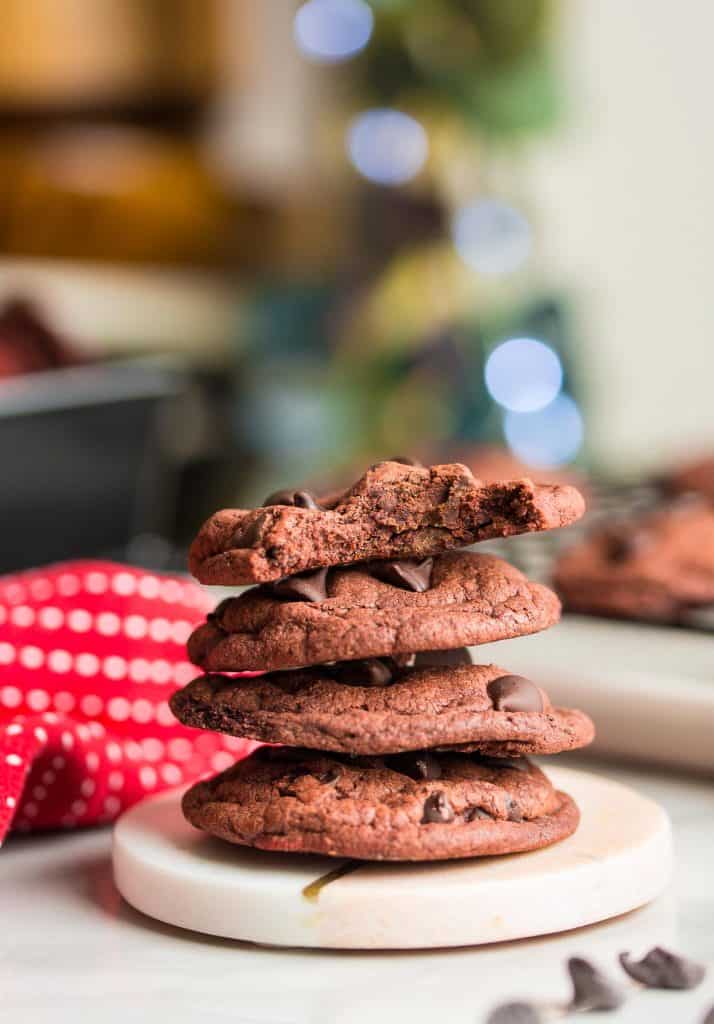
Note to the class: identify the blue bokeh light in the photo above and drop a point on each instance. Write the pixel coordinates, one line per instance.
(387, 146)
(330, 31)
(523, 375)
(547, 438)
(491, 237)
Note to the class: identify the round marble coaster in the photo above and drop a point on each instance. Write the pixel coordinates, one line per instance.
(619, 859)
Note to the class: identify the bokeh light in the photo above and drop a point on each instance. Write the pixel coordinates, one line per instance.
(387, 146)
(523, 375)
(549, 437)
(491, 236)
(330, 31)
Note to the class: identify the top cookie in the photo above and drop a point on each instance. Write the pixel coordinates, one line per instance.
(393, 511)
(658, 568)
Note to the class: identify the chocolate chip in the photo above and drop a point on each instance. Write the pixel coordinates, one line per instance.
(249, 536)
(514, 811)
(409, 573)
(422, 765)
(299, 499)
(591, 989)
(437, 809)
(330, 777)
(514, 693)
(514, 1013)
(365, 672)
(662, 969)
(472, 813)
(443, 659)
(304, 586)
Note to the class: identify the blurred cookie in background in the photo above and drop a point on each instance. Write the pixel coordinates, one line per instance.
(695, 476)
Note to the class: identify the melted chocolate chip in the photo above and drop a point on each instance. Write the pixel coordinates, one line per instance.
(443, 659)
(514, 693)
(437, 809)
(662, 969)
(591, 989)
(304, 586)
(365, 672)
(514, 1013)
(514, 811)
(299, 499)
(331, 777)
(409, 573)
(519, 764)
(472, 813)
(421, 765)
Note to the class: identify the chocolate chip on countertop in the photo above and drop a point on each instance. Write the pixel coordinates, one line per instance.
(591, 989)
(437, 809)
(299, 499)
(409, 573)
(514, 1013)
(304, 586)
(662, 969)
(514, 693)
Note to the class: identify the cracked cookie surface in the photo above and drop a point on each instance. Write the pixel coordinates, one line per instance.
(472, 599)
(393, 511)
(418, 707)
(422, 806)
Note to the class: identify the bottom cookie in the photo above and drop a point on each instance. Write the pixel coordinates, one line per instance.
(419, 806)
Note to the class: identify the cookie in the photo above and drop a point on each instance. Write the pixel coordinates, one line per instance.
(414, 807)
(394, 511)
(375, 707)
(658, 568)
(373, 610)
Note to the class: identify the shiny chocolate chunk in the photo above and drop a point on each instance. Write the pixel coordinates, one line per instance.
(443, 659)
(437, 809)
(514, 693)
(365, 672)
(474, 813)
(514, 1013)
(417, 765)
(408, 573)
(304, 586)
(299, 499)
(591, 989)
(331, 777)
(662, 969)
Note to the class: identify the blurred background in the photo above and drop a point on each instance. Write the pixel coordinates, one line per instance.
(252, 243)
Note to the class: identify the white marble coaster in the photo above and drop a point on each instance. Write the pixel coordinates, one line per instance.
(620, 858)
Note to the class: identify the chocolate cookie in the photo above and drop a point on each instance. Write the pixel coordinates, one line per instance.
(658, 568)
(410, 807)
(394, 511)
(375, 707)
(470, 599)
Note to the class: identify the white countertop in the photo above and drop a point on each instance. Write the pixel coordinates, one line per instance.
(71, 950)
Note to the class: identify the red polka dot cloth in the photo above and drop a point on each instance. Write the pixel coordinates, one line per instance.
(90, 652)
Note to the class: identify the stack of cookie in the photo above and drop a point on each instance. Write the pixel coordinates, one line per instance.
(395, 746)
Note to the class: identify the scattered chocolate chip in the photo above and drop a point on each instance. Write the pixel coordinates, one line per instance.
(409, 573)
(365, 672)
(623, 544)
(304, 586)
(662, 969)
(472, 813)
(437, 809)
(299, 499)
(330, 777)
(514, 811)
(421, 765)
(591, 989)
(443, 659)
(514, 693)
(514, 1013)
